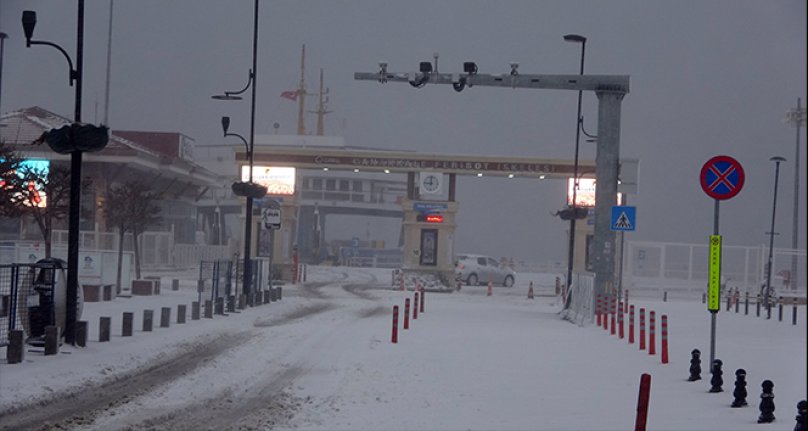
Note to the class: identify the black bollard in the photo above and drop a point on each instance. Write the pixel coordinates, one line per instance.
(181, 313)
(757, 307)
(665, 296)
(740, 389)
(165, 317)
(794, 311)
(716, 381)
(802, 422)
(15, 351)
(104, 328)
(128, 322)
(695, 366)
(746, 304)
(148, 318)
(780, 310)
(766, 403)
(51, 340)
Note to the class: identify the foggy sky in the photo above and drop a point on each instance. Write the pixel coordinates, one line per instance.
(707, 78)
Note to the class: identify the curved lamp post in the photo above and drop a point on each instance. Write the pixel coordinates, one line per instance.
(3, 37)
(74, 140)
(247, 189)
(578, 124)
(776, 160)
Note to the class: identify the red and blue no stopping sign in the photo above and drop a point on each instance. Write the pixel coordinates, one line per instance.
(722, 177)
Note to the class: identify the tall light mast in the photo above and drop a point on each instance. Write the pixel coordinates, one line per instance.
(301, 94)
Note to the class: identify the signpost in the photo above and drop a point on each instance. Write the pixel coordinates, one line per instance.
(271, 221)
(722, 177)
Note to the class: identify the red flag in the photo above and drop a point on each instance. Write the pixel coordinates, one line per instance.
(291, 95)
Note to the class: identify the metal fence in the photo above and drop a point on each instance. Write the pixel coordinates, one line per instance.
(225, 278)
(682, 269)
(28, 298)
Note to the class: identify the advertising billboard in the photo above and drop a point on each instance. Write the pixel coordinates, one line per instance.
(279, 181)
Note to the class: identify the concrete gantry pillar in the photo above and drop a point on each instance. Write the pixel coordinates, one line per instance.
(608, 164)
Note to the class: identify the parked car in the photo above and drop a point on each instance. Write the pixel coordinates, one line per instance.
(475, 269)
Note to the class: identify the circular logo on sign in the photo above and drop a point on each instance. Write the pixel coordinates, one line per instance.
(722, 177)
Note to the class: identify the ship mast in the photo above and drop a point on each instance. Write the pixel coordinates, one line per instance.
(301, 94)
(321, 106)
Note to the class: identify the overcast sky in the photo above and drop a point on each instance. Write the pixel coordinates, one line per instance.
(707, 78)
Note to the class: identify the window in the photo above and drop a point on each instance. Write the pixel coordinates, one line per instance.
(331, 185)
(344, 185)
(357, 186)
(317, 184)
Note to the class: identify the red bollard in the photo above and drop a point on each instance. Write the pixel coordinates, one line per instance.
(652, 333)
(642, 402)
(664, 339)
(490, 289)
(613, 312)
(423, 299)
(620, 320)
(395, 324)
(642, 328)
(631, 324)
(597, 309)
(407, 313)
(606, 313)
(415, 307)
(625, 299)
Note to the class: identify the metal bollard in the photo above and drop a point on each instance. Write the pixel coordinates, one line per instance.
(794, 311)
(148, 318)
(128, 322)
(780, 310)
(165, 317)
(104, 329)
(51, 340)
(219, 306)
(81, 333)
(280, 293)
(195, 310)
(208, 309)
(181, 313)
(415, 307)
(746, 304)
(15, 352)
(757, 307)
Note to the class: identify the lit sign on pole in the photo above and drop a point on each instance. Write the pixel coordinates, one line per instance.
(277, 180)
(585, 197)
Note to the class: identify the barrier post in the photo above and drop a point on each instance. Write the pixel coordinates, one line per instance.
(757, 306)
(490, 289)
(612, 312)
(642, 328)
(530, 291)
(423, 299)
(780, 310)
(104, 326)
(625, 299)
(737, 301)
(606, 309)
(652, 333)
(415, 307)
(407, 313)
(746, 304)
(664, 338)
(793, 311)
(598, 309)
(642, 402)
(631, 324)
(620, 320)
(394, 338)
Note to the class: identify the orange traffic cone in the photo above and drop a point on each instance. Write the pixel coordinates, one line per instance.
(490, 289)
(530, 291)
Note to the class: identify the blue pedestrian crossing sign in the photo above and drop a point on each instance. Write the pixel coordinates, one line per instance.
(624, 218)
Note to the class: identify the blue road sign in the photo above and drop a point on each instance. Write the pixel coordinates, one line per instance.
(624, 218)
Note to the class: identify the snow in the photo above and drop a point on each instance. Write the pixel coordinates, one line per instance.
(470, 361)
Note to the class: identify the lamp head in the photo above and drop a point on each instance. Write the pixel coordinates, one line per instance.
(225, 96)
(574, 38)
(425, 67)
(777, 159)
(225, 124)
(28, 24)
(470, 67)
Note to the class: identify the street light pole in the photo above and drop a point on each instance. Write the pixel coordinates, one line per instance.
(796, 117)
(3, 37)
(776, 160)
(249, 190)
(571, 256)
(29, 21)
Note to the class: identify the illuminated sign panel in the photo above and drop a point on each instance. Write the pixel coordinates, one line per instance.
(277, 180)
(585, 197)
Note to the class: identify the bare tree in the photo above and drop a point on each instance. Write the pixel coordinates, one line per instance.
(131, 207)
